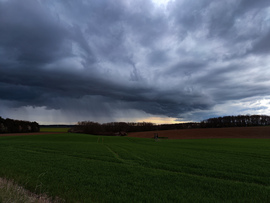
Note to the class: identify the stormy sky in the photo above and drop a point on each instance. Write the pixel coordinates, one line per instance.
(133, 60)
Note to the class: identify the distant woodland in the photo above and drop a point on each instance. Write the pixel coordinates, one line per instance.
(121, 128)
(17, 126)
(236, 121)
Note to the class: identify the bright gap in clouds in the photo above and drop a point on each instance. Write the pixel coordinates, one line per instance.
(160, 2)
(161, 120)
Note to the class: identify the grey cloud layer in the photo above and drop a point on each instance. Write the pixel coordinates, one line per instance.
(105, 56)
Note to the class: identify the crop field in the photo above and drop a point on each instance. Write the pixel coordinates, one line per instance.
(202, 133)
(87, 168)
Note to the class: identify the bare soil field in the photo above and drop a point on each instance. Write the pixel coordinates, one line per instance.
(32, 133)
(202, 133)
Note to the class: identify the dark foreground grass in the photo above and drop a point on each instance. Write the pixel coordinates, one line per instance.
(85, 168)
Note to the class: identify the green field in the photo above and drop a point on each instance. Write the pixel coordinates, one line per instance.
(86, 168)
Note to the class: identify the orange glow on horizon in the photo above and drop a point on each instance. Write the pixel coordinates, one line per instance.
(161, 120)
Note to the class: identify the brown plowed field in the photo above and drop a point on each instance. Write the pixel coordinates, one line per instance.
(35, 133)
(201, 133)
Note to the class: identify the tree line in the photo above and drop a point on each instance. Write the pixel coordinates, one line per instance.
(17, 126)
(236, 121)
(113, 128)
(121, 128)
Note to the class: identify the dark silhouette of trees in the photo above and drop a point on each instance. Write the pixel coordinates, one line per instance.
(17, 126)
(113, 128)
(89, 127)
(236, 121)
(121, 128)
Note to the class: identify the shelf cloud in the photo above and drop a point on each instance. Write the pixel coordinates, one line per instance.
(104, 60)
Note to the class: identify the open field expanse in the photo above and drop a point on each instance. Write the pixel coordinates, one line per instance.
(87, 168)
(201, 133)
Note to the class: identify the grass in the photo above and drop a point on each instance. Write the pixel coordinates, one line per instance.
(12, 192)
(86, 168)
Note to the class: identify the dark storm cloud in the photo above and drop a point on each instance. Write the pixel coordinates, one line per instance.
(29, 35)
(262, 45)
(103, 57)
